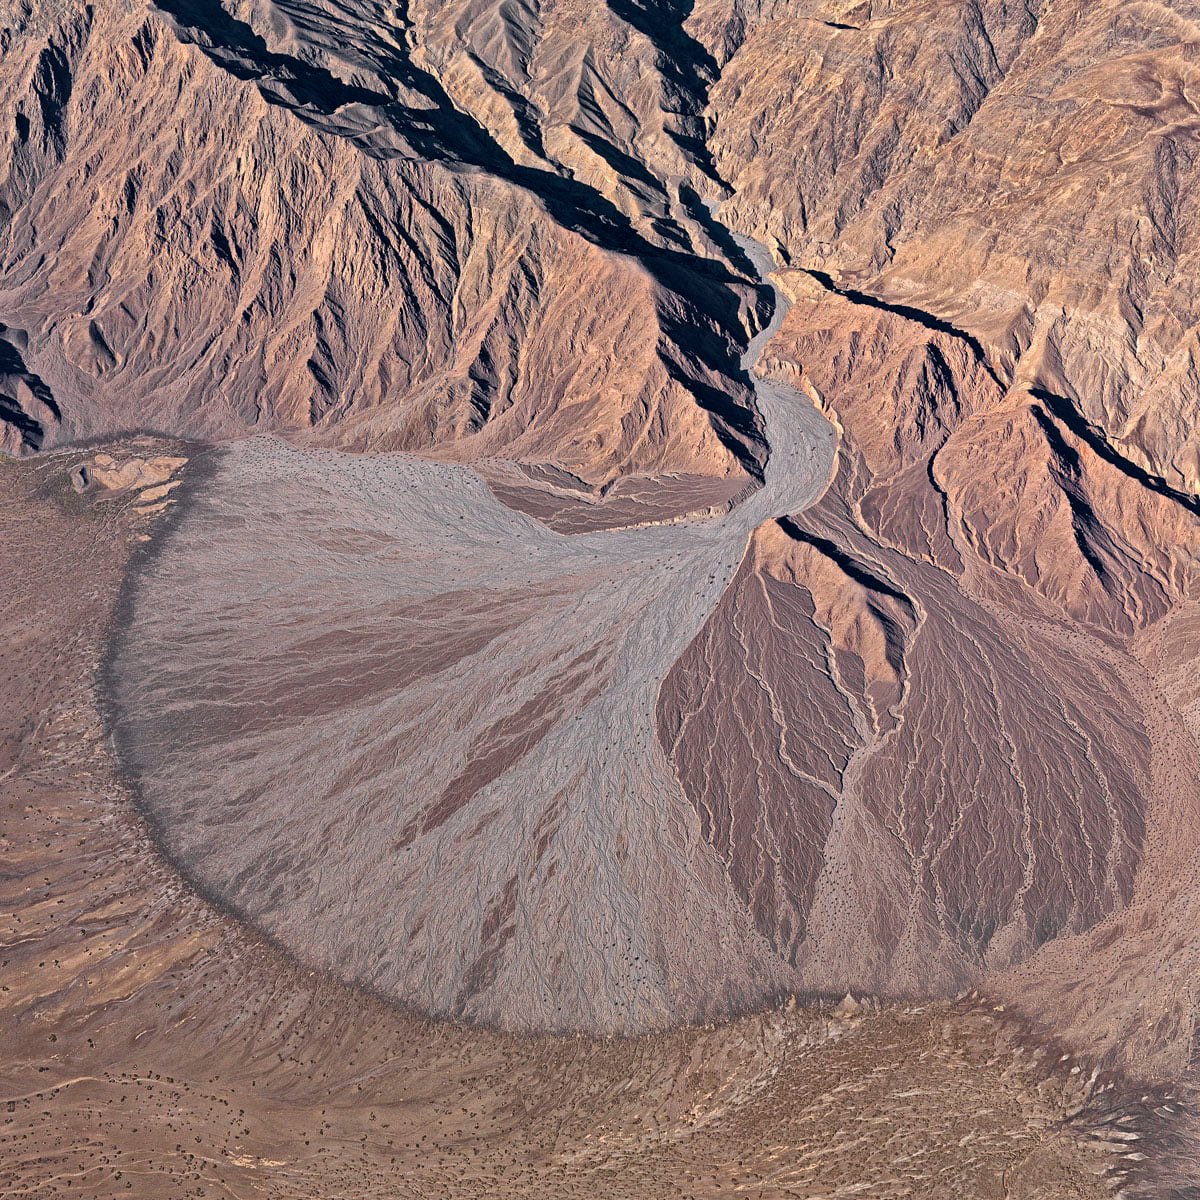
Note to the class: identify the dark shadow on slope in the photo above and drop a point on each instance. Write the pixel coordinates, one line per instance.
(1089, 531)
(13, 372)
(440, 133)
(687, 68)
(707, 327)
(919, 315)
(1063, 411)
(720, 236)
(850, 565)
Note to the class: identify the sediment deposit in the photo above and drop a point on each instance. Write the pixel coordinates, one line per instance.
(155, 1047)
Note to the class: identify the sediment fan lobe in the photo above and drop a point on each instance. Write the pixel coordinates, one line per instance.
(921, 729)
(409, 732)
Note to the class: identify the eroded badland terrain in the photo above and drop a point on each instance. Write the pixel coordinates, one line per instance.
(599, 599)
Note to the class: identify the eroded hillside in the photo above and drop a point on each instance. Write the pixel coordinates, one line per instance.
(211, 231)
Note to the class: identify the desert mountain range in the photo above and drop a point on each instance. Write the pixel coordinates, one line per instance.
(653, 545)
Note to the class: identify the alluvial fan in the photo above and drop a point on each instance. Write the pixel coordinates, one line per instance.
(538, 526)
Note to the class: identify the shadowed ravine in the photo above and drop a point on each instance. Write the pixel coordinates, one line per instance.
(411, 733)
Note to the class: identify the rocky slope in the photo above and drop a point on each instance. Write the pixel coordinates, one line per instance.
(213, 227)
(1018, 172)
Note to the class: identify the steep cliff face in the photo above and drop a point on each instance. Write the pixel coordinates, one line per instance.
(27, 405)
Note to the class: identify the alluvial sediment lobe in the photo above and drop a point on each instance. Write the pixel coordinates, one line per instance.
(873, 707)
(155, 1047)
(765, 710)
(407, 731)
(920, 734)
